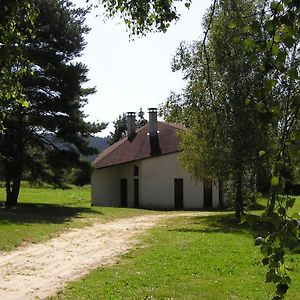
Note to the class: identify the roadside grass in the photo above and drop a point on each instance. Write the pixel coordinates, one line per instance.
(45, 212)
(211, 257)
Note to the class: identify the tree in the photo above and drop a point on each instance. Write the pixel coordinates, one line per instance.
(223, 138)
(141, 121)
(120, 129)
(55, 101)
(143, 16)
(16, 25)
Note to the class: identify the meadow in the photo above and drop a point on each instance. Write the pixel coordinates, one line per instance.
(45, 212)
(210, 257)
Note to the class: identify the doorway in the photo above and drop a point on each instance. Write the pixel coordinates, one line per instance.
(136, 193)
(178, 193)
(124, 193)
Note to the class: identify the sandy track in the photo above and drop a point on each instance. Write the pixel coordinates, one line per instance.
(40, 270)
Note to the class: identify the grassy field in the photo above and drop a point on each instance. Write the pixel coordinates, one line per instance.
(211, 257)
(42, 213)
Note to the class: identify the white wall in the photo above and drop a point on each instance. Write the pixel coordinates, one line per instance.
(156, 184)
(105, 187)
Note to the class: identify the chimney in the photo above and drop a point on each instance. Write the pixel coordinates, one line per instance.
(153, 134)
(131, 126)
(152, 121)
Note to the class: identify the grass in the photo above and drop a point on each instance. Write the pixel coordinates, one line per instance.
(187, 259)
(210, 257)
(43, 213)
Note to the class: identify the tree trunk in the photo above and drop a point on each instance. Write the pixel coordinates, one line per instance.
(13, 174)
(13, 189)
(8, 191)
(271, 206)
(239, 201)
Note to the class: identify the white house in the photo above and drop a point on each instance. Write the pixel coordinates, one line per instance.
(143, 170)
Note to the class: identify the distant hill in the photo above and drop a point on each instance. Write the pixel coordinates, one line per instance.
(96, 142)
(99, 143)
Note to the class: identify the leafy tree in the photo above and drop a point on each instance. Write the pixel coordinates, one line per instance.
(278, 102)
(120, 129)
(142, 16)
(16, 25)
(55, 101)
(222, 139)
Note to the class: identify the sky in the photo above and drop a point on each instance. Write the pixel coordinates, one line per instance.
(133, 74)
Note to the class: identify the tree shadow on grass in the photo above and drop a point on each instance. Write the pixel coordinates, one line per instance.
(223, 223)
(42, 213)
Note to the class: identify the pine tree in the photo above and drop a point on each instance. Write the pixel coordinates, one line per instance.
(55, 101)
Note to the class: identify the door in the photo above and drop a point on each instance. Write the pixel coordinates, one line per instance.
(178, 193)
(207, 194)
(124, 192)
(136, 192)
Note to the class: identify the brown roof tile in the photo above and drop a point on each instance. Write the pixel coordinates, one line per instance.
(139, 148)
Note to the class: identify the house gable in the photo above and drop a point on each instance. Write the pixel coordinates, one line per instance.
(139, 147)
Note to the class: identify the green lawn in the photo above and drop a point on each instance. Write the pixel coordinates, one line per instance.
(188, 258)
(42, 213)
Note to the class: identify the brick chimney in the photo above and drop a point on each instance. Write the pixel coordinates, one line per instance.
(131, 126)
(153, 133)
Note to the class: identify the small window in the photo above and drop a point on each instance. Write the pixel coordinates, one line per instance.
(136, 171)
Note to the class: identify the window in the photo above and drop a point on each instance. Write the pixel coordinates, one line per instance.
(136, 171)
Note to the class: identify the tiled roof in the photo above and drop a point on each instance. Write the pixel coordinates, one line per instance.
(139, 148)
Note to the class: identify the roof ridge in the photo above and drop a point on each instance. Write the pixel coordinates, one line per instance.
(175, 125)
(114, 146)
(109, 150)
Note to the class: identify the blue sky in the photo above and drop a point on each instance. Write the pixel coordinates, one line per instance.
(133, 74)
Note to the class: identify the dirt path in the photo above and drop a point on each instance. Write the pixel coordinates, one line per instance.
(40, 270)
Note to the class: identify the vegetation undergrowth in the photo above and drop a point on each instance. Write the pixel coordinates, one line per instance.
(211, 257)
(44, 212)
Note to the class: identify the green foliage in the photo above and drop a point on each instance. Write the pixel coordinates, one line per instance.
(55, 101)
(278, 55)
(143, 16)
(120, 129)
(16, 25)
(283, 235)
(223, 136)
